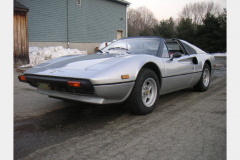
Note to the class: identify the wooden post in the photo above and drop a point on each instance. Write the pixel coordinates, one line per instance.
(21, 46)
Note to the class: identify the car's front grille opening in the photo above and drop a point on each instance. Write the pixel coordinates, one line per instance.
(63, 88)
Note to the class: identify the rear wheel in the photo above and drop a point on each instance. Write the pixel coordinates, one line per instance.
(204, 81)
(145, 93)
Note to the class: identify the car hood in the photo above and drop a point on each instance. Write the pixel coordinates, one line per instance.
(77, 66)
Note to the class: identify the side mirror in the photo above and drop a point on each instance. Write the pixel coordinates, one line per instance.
(176, 55)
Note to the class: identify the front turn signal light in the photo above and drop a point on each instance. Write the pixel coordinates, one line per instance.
(125, 76)
(22, 78)
(74, 84)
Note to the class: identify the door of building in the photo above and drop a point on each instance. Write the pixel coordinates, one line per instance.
(119, 34)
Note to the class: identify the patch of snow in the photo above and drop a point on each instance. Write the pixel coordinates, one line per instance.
(219, 54)
(39, 55)
(33, 49)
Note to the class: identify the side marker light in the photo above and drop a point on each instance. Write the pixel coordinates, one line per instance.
(125, 76)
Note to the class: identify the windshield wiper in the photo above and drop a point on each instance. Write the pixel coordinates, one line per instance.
(100, 51)
(119, 48)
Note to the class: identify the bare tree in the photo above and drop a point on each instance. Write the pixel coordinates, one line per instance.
(140, 19)
(147, 17)
(198, 10)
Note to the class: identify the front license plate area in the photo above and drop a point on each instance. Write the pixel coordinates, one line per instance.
(43, 86)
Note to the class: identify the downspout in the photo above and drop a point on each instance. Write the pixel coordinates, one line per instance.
(67, 27)
(126, 23)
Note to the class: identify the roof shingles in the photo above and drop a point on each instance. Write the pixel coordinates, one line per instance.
(20, 7)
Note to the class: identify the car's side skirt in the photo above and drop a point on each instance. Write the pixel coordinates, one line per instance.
(175, 83)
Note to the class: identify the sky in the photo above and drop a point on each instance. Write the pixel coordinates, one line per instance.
(168, 8)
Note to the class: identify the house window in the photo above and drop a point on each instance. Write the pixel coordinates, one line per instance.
(78, 2)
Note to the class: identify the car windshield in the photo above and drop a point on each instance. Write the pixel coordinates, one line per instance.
(134, 46)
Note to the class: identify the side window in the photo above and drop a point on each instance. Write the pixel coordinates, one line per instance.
(192, 49)
(189, 49)
(173, 47)
(165, 53)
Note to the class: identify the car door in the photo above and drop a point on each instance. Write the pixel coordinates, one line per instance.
(178, 72)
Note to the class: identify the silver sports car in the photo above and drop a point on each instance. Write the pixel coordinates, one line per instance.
(136, 70)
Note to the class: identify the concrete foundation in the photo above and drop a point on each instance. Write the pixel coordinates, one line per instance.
(89, 47)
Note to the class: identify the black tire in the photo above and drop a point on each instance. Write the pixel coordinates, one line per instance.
(204, 81)
(146, 87)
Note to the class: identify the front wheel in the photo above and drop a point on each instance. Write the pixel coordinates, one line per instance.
(204, 81)
(145, 93)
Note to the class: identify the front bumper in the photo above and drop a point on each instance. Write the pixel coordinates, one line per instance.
(103, 94)
(88, 92)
